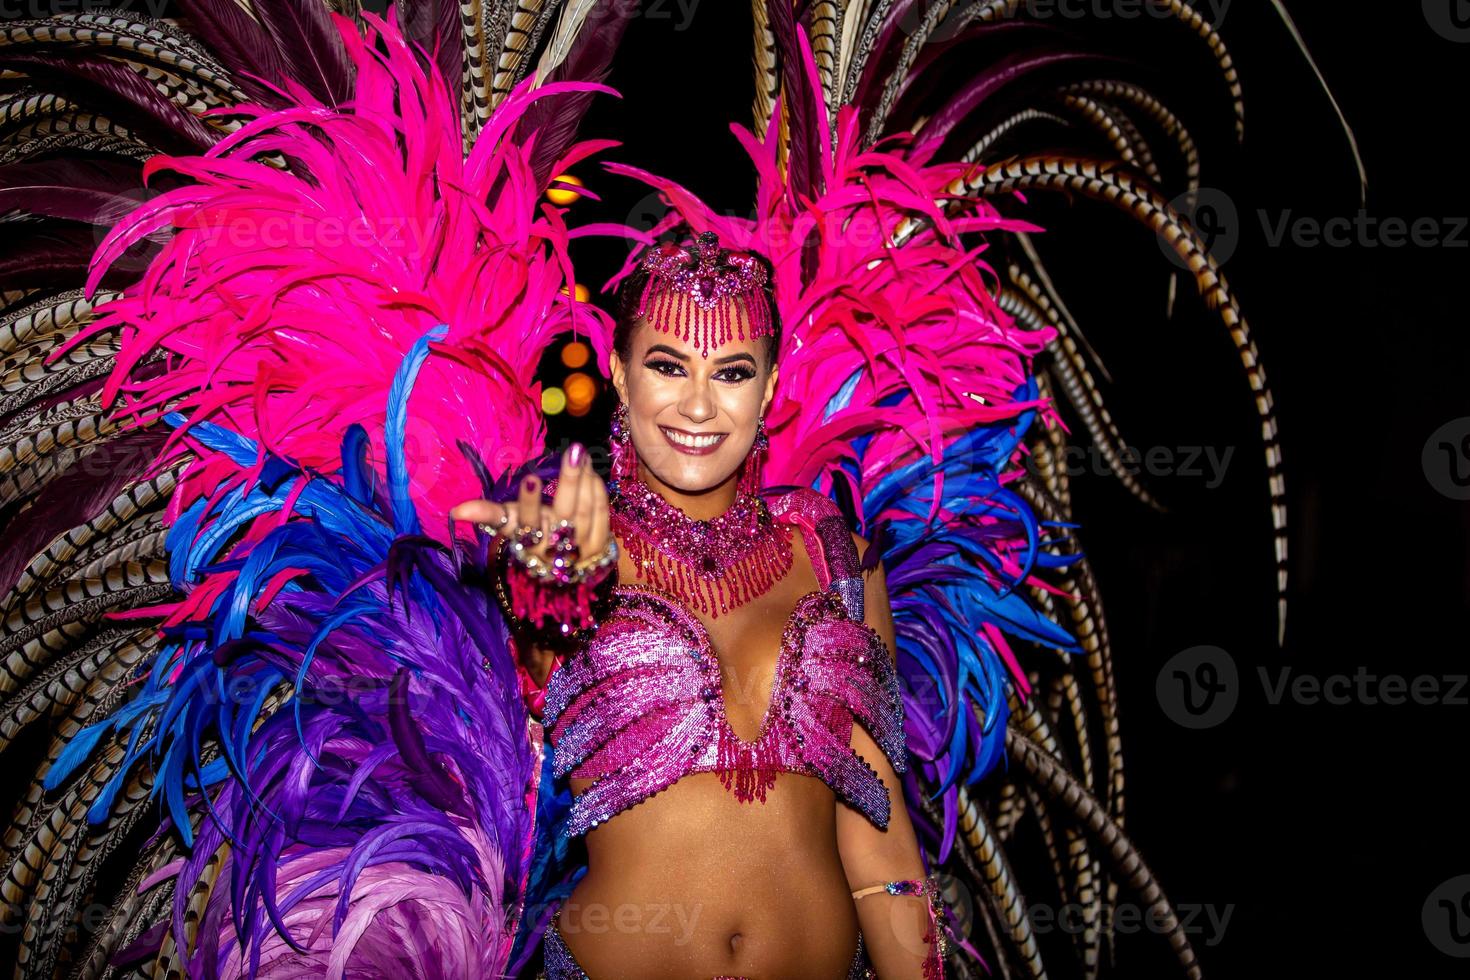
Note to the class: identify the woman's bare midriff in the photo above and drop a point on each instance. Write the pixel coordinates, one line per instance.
(693, 883)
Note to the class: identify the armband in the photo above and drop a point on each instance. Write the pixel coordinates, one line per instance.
(936, 936)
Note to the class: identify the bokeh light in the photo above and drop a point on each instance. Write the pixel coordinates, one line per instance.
(580, 392)
(553, 401)
(563, 195)
(575, 354)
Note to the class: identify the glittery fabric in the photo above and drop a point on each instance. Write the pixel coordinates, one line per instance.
(560, 964)
(709, 566)
(641, 704)
(834, 557)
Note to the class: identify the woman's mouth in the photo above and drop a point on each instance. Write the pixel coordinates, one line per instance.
(693, 443)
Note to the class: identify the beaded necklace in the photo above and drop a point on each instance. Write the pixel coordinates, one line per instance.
(712, 566)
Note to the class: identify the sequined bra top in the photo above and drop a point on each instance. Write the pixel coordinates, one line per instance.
(641, 704)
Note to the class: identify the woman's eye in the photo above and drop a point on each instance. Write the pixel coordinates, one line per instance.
(668, 368)
(735, 375)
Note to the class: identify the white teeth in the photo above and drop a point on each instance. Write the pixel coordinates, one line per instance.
(693, 442)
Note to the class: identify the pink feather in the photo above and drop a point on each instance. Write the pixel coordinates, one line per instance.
(285, 302)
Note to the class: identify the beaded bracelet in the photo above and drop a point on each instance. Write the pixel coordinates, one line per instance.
(559, 593)
(936, 935)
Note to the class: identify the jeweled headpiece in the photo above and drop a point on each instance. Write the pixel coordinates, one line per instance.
(691, 286)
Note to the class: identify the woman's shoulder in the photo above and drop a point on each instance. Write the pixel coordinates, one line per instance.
(804, 503)
(835, 551)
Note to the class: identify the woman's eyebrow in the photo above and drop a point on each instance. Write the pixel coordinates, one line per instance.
(735, 357)
(665, 349)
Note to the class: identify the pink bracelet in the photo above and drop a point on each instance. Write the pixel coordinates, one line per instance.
(938, 918)
(559, 592)
(544, 602)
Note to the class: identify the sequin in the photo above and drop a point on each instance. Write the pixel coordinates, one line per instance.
(710, 566)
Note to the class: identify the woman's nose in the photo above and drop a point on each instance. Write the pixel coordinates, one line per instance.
(697, 404)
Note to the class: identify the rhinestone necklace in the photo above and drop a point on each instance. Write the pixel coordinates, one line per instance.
(711, 566)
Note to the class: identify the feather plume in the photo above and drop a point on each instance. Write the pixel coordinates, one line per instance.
(584, 54)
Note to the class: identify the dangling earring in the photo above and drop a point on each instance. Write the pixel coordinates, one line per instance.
(624, 457)
(750, 476)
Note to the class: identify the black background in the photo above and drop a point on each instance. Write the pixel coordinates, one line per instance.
(1321, 828)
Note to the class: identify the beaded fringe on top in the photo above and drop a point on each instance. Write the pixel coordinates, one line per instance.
(713, 589)
(702, 325)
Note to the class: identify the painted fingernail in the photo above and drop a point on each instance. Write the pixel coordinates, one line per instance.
(576, 454)
(529, 485)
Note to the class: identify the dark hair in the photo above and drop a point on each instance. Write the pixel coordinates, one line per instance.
(626, 312)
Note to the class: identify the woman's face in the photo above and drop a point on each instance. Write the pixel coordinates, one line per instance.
(692, 418)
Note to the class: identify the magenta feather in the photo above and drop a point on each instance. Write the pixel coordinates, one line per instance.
(287, 300)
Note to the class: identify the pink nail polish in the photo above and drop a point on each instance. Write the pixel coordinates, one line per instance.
(576, 454)
(529, 484)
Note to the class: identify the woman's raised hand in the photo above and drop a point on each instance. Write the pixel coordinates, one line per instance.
(580, 497)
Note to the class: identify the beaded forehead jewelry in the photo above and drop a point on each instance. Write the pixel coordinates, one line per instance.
(693, 288)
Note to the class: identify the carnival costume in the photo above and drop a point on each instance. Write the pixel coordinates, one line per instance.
(268, 691)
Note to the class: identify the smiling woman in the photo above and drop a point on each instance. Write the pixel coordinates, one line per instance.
(738, 644)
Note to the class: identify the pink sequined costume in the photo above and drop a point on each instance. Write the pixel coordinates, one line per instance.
(641, 704)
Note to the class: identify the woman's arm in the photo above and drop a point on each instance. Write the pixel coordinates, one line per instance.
(581, 498)
(894, 926)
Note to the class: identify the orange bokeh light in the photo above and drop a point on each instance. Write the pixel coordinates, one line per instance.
(580, 389)
(575, 354)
